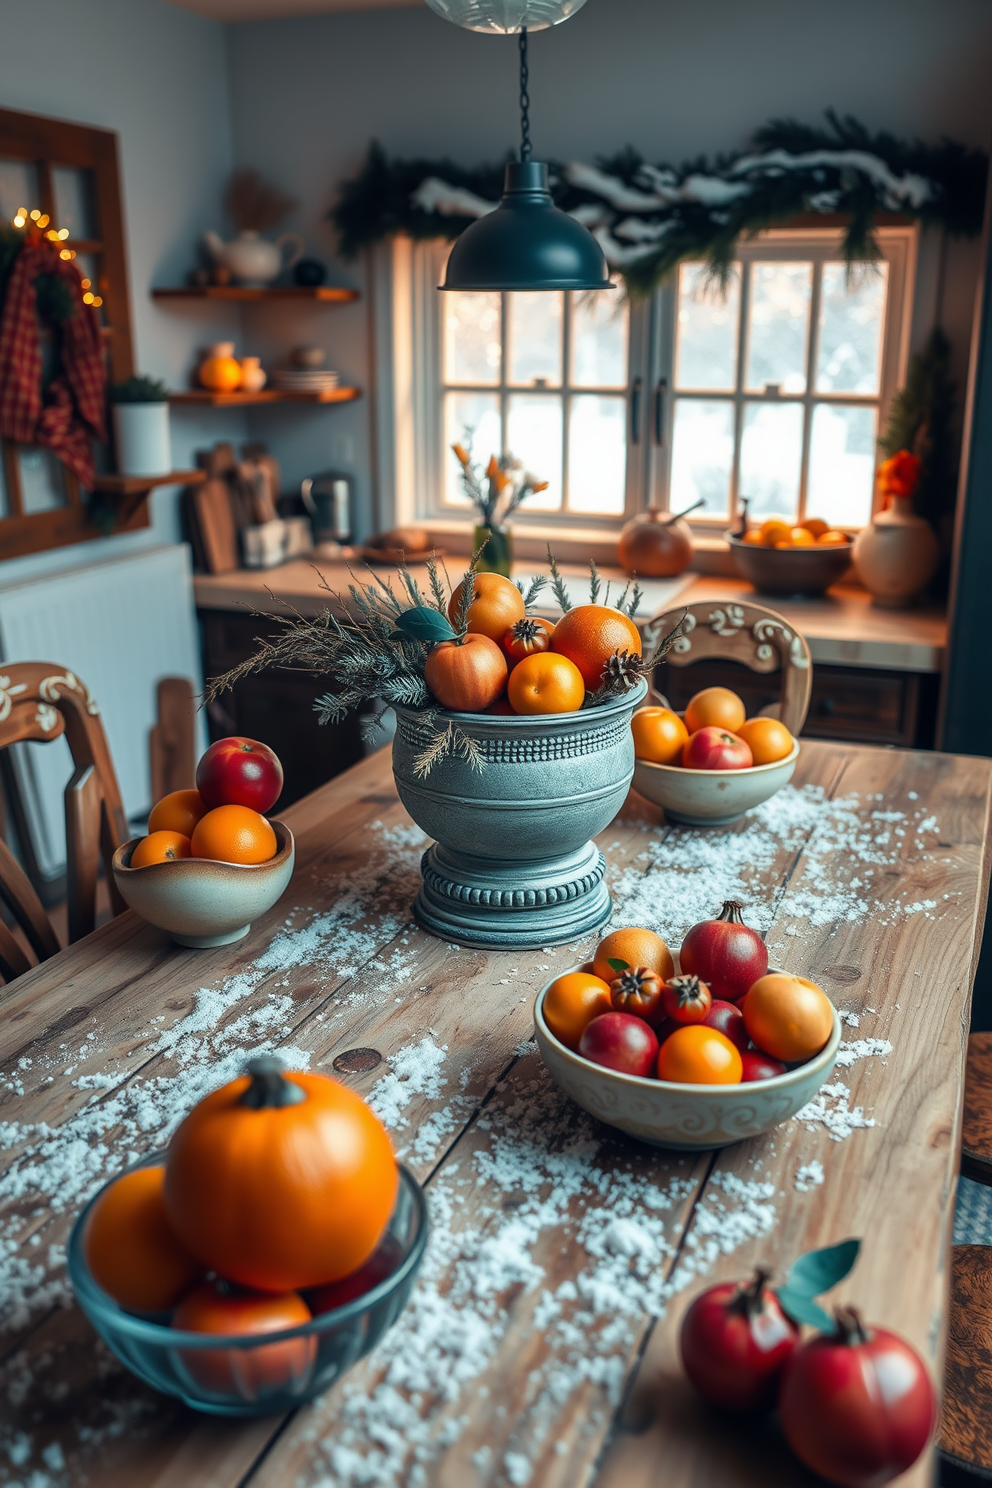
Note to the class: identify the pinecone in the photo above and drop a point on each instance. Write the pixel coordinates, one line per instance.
(621, 671)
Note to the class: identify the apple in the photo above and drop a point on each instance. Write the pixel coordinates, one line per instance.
(383, 1261)
(716, 749)
(728, 1020)
(619, 1041)
(239, 772)
(759, 1066)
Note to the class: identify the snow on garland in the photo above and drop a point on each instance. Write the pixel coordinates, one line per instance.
(647, 218)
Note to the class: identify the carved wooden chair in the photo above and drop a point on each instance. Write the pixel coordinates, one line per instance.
(746, 633)
(41, 701)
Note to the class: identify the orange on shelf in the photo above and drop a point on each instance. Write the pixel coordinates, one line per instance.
(219, 371)
(234, 834)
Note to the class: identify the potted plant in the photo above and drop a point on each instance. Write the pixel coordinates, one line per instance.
(141, 426)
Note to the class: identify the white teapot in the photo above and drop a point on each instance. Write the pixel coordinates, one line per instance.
(252, 259)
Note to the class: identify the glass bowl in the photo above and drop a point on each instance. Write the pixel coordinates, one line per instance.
(249, 1376)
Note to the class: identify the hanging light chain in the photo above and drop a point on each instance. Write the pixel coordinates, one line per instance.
(524, 99)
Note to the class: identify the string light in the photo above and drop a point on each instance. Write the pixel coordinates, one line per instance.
(22, 216)
(55, 235)
(86, 283)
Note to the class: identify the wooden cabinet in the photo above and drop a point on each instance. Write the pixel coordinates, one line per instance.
(860, 705)
(275, 707)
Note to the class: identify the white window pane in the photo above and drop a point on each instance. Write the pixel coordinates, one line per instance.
(600, 321)
(72, 189)
(702, 455)
(534, 328)
(851, 320)
(471, 337)
(779, 326)
(18, 187)
(597, 454)
(42, 480)
(468, 417)
(771, 452)
(533, 436)
(706, 355)
(842, 464)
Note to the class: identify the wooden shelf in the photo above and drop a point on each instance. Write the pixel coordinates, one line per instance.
(203, 398)
(137, 485)
(321, 294)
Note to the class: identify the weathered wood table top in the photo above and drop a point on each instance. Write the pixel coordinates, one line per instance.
(539, 1346)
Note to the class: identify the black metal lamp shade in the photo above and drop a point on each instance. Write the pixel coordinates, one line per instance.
(527, 243)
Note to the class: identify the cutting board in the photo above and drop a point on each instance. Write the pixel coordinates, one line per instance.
(217, 527)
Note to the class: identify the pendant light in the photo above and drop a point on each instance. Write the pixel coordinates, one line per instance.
(526, 243)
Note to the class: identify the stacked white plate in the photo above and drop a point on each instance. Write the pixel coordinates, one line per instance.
(304, 380)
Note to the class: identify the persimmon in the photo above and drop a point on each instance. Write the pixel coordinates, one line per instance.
(496, 605)
(160, 847)
(281, 1181)
(659, 735)
(546, 683)
(216, 1307)
(179, 811)
(635, 946)
(715, 707)
(571, 1003)
(697, 1055)
(767, 738)
(590, 634)
(787, 1016)
(801, 537)
(466, 676)
(815, 526)
(234, 834)
(833, 539)
(527, 636)
(131, 1248)
(774, 530)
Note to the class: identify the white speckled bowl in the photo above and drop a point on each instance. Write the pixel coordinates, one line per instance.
(686, 1117)
(711, 798)
(202, 902)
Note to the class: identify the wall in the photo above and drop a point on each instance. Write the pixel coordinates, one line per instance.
(308, 93)
(157, 75)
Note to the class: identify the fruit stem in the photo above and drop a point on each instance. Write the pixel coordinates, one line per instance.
(687, 987)
(749, 1300)
(731, 911)
(269, 1089)
(850, 1329)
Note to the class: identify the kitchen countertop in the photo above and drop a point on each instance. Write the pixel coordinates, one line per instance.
(843, 628)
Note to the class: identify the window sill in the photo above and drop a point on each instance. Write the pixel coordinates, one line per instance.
(577, 545)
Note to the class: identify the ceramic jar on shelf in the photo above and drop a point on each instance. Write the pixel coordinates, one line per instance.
(252, 259)
(253, 374)
(896, 555)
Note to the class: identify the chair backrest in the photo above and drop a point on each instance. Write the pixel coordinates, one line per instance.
(41, 701)
(746, 633)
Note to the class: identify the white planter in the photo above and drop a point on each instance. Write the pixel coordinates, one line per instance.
(141, 433)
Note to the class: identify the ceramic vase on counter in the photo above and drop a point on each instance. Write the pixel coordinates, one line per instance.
(252, 259)
(896, 555)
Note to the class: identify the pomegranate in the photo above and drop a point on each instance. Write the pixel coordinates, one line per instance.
(619, 1041)
(735, 1341)
(726, 953)
(730, 1021)
(637, 990)
(686, 999)
(758, 1066)
(857, 1405)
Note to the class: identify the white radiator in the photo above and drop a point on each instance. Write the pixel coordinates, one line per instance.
(121, 626)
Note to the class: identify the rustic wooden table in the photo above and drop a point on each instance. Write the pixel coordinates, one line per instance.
(539, 1346)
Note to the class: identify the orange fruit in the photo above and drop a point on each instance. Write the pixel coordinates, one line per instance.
(572, 1001)
(698, 1055)
(215, 1307)
(775, 531)
(179, 811)
(787, 1016)
(801, 537)
(132, 1250)
(545, 683)
(234, 834)
(767, 738)
(635, 946)
(659, 735)
(160, 847)
(715, 707)
(833, 539)
(590, 634)
(814, 525)
(497, 604)
(753, 535)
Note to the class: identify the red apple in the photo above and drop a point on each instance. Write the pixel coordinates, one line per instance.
(759, 1066)
(619, 1041)
(729, 1020)
(239, 772)
(716, 749)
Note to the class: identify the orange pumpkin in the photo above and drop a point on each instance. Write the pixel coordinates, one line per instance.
(495, 606)
(216, 1307)
(132, 1250)
(467, 676)
(281, 1181)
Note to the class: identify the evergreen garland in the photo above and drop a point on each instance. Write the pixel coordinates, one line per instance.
(649, 218)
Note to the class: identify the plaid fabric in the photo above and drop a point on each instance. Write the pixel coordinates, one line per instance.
(70, 414)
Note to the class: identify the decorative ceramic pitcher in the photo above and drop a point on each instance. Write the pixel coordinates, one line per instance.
(252, 259)
(896, 555)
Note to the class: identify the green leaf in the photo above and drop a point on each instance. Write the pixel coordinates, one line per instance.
(802, 1309)
(423, 623)
(617, 964)
(819, 1270)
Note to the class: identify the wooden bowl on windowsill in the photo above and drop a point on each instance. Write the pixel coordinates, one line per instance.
(796, 573)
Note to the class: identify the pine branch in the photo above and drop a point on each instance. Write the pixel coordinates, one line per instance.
(558, 584)
(437, 588)
(537, 583)
(595, 582)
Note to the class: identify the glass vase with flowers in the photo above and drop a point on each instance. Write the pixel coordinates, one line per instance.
(495, 492)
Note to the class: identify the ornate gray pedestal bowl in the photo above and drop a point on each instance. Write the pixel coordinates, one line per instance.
(512, 863)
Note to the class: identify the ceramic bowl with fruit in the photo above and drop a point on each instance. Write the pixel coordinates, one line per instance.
(211, 862)
(229, 1274)
(680, 1061)
(706, 767)
(801, 560)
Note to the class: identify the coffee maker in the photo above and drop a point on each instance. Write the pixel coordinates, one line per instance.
(328, 498)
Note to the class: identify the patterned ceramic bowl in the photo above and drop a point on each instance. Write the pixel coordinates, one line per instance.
(711, 798)
(199, 901)
(685, 1117)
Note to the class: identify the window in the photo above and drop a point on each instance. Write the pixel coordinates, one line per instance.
(773, 390)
